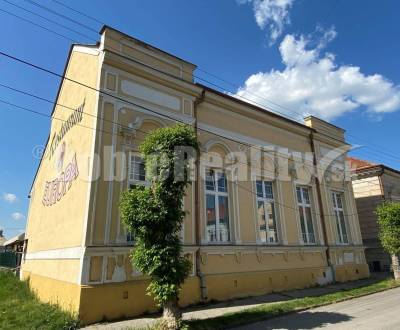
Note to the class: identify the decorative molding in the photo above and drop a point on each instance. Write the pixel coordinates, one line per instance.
(66, 253)
(152, 95)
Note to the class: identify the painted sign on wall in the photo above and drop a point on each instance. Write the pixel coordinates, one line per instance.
(57, 188)
(72, 120)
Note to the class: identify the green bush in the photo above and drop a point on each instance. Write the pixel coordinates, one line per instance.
(154, 214)
(389, 226)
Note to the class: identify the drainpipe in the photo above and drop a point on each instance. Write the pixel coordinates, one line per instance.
(383, 193)
(321, 208)
(199, 273)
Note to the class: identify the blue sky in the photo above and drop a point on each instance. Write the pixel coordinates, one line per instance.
(345, 51)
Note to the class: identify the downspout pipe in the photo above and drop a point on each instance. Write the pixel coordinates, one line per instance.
(321, 208)
(199, 273)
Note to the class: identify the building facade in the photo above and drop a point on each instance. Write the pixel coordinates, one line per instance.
(257, 219)
(374, 184)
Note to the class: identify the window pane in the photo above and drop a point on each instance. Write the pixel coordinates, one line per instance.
(141, 171)
(339, 201)
(137, 171)
(298, 193)
(343, 226)
(259, 188)
(221, 182)
(211, 218)
(306, 195)
(303, 225)
(210, 180)
(268, 190)
(262, 229)
(270, 221)
(310, 227)
(130, 237)
(334, 199)
(338, 227)
(223, 230)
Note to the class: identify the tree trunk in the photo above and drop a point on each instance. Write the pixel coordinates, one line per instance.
(172, 315)
(396, 268)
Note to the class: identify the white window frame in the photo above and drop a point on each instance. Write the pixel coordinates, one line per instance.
(216, 194)
(264, 199)
(336, 211)
(132, 180)
(305, 237)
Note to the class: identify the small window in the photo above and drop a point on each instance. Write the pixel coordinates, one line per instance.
(136, 177)
(266, 216)
(337, 202)
(130, 238)
(136, 171)
(305, 213)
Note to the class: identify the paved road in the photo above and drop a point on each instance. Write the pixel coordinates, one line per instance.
(377, 311)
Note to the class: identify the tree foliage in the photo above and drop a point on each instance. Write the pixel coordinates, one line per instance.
(389, 226)
(154, 214)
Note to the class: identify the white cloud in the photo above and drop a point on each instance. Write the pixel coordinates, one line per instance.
(312, 83)
(17, 216)
(8, 197)
(271, 14)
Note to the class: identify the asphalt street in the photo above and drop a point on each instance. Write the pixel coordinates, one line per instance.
(376, 311)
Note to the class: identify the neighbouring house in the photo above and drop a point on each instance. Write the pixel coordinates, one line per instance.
(13, 251)
(372, 185)
(258, 220)
(15, 244)
(2, 241)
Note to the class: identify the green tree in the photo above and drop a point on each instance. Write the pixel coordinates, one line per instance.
(155, 214)
(389, 232)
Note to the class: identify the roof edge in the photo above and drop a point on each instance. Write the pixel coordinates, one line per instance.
(105, 26)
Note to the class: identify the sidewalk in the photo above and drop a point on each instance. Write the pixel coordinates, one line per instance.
(218, 309)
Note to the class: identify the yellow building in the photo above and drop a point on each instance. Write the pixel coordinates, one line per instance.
(256, 220)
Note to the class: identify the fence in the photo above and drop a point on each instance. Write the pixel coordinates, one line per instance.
(8, 259)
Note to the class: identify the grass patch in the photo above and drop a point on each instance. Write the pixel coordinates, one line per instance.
(267, 311)
(20, 309)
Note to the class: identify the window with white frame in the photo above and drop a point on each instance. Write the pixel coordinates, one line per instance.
(338, 210)
(217, 210)
(305, 213)
(136, 177)
(136, 171)
(266, 217)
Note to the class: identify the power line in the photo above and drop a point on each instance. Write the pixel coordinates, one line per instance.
(89, 114)
(38, 25)
(79, 12)
(197, 77)
(132, 103)
(89, 37)
(46, 115)
(251, 191)
(61, 15)
(208, 82)
(49, 20)
(164, 72)
(202, 79)
(140, 62)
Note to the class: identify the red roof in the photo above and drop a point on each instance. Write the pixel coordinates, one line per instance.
(356, 163)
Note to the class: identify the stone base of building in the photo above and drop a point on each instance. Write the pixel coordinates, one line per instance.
(112, 301)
